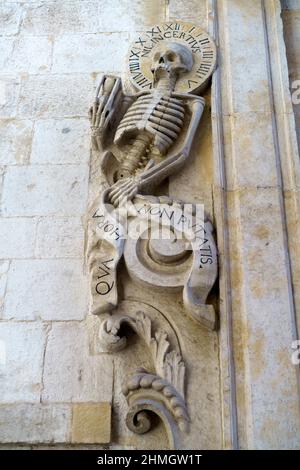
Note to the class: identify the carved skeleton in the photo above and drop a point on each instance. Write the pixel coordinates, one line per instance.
(143, 139)
(152, 122)
(149, 136)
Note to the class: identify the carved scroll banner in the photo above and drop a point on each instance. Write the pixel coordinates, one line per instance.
(166, 246)
(142, 132)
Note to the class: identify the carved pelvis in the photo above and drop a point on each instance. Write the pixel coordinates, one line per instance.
(161, 389)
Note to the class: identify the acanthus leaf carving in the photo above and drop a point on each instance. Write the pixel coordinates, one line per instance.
(166, 386)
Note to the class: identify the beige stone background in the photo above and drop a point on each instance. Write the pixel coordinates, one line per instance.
(52, 53)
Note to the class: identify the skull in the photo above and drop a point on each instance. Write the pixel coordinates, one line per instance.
(173, 59)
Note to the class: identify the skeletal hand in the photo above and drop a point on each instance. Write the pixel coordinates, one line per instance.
(123, 191)
(101, 112)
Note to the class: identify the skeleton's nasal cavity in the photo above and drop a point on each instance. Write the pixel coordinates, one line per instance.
(161, 60)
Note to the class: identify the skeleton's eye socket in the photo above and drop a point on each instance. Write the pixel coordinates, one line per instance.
(156, 56)
(170, 56)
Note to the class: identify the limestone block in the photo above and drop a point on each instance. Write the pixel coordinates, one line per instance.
(262, 340)
(15, 141)
(9, 94)
(60, 238)
(248, 88)
(61, 141)
(134, 18)
(17, 237)
(48, 289)
(21, 375)
(34, 423)
(56, 17)
(71, 374)
(56, 96)
(80, 53)
(189, 10)
(25, 54)
(10, 18)
(45, 190)
(91, 423)
(251, 148)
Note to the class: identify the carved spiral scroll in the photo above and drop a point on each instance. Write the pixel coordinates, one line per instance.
(161, 393)
(138, 419)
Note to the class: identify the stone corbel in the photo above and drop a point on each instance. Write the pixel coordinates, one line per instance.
(162, 392)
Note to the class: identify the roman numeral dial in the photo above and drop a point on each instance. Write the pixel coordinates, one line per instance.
(142, 50)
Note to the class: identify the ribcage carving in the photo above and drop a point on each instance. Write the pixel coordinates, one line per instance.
(160, 116)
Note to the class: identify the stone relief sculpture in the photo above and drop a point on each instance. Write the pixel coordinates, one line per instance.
(142, 132)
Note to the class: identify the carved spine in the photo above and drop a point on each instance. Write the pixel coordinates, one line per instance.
(132, 160)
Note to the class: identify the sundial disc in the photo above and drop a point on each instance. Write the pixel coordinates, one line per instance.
(142, 50)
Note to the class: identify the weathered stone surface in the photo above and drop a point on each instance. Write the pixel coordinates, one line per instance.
(47, 289)
(291, 24)
(248, 88)
(80, 53)
(4, 266)
(25, 54)
(71, 374)
(21, 375)
(17, 237)
(61, 141)
(57, 17)
(60, 238)
(9, 94)
(91, 423)
(56, 96)
(15, 141)
(34, 423)
(133, 17)
(258, 317)
(290, 4)
(45, 190)
(10, 17)
(257, 293)
(247, 144)
(189, 10)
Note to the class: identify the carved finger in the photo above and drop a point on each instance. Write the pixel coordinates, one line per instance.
(119, 184)
(100, 110)
(117, 197)
(115, 188)
(100, 86)
(129, 196)
(123, 194)
(120, 192)
(110, 102)
(94, 112)
(91, 114)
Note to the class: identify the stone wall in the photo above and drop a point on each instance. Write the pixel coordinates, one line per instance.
(56, 389)
(52, 54)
